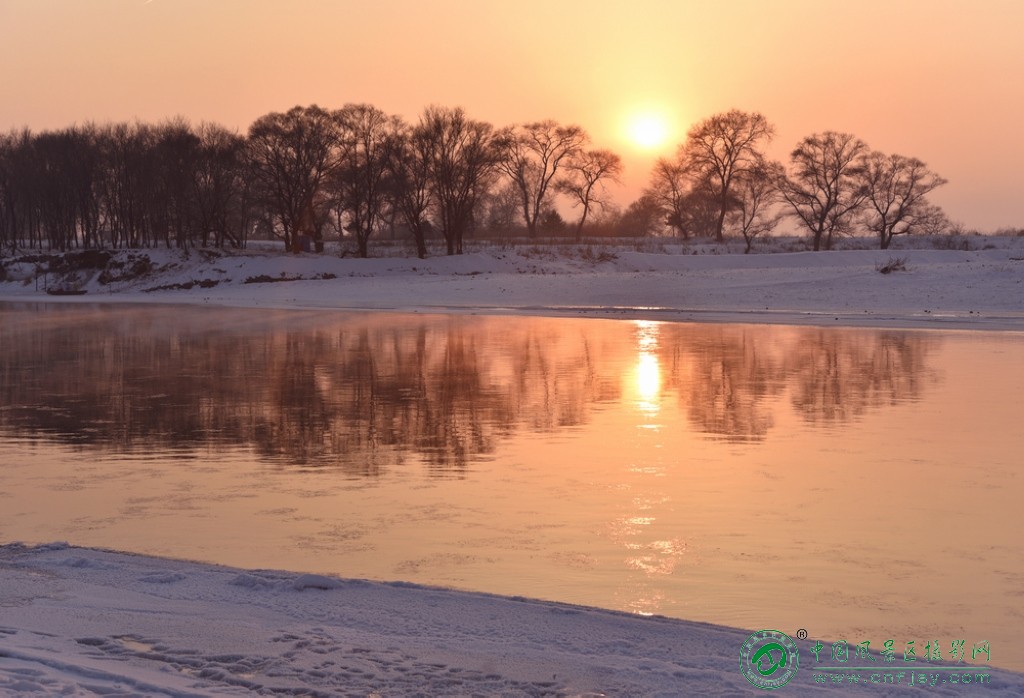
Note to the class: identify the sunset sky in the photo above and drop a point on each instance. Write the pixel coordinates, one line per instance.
(937, 79)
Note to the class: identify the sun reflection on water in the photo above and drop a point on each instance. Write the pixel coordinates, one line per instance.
(647, 374)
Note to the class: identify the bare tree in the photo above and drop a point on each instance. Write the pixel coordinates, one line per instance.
(502, 211)
(824, 190)
(291, 156)
(720, 149)
(584, 182)
(411, 193)
(9, 214)
(669, 188)
(129, 180)
(368, 138)
(87, 174)
(698, 210)
(175, 157)
(219, 186)
(757, 193)
(688, 199)
(53, 158)
(531, 156)
(896, 188)
(463, 159)
(20, 191)
(932, 220)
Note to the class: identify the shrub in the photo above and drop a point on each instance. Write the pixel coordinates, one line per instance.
(894, 264)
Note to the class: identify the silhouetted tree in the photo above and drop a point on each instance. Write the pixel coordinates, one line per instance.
(896, 188)
(670, 184)
(501, 210)
(757, 193)
(698, 214)
(551, 223)
(86, 173)
(129, 184)
(719, 150)
(585, 178)
(291, 156)
(19, 221)
(368, 139)
(220, 188)
(175, 159)
(531, 156)
(49, 188)
(410, 177)
(462, 162)
(687, 201)
(8, 238)
(52, 188)
(642, 218)
(824, 189)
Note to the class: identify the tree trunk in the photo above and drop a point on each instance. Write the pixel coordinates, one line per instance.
(421, 243)
(720, 226)
(583, 219)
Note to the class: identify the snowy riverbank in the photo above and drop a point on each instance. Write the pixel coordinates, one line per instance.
(982, 289)
(75, 621)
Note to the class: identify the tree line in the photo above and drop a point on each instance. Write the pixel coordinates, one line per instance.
(303, 176)
(311, 174)
(721, 181)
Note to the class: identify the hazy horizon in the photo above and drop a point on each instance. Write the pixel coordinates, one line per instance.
(934, 80)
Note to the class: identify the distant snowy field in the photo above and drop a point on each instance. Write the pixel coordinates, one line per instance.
(978, 288)
(82, 622)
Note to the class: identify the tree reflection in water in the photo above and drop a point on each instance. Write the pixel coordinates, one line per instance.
(727, 375)
(364, 392)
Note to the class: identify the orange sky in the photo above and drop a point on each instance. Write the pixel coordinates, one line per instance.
(935, 79)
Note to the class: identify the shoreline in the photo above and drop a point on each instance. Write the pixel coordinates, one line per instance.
(978, 321)
(84, 617)
(941, 289)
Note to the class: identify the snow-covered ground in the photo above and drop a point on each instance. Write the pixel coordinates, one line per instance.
(80, 622)
(982, 288)
(86, 622)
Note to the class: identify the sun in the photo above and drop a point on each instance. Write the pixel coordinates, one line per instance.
(648, 131)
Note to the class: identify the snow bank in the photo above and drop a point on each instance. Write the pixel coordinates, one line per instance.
(77, 621)
(949, 288)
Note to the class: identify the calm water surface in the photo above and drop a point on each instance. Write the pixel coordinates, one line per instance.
(861, 484)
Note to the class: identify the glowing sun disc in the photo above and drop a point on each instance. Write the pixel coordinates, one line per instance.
(648, 131)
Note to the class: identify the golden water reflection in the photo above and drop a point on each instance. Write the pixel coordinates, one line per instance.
(855, 482)
(360, 392)
(647, 379)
